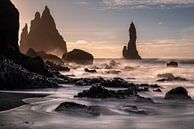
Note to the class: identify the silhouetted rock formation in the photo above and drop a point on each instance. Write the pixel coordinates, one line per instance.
(43, 35)
(9, 26)
(46, 57)
(178, 93)
(17, 70)
(130, 51)
(79, 57)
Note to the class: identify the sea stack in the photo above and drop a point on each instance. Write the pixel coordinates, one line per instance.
(43, 35)
(130, 51)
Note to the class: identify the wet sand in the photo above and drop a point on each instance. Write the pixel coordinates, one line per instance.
(12, 100)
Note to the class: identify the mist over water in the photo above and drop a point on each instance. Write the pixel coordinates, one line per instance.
(115, 113)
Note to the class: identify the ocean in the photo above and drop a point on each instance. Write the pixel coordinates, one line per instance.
(115, 113)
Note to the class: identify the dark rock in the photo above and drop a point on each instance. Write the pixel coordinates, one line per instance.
(157, 90)
(46, 57)
(130, 51)
(77, 108)
(117, 83)
(172, 64)
(79, 57)
(32, 53)
(43, 35)
(132, 109)
(18, 71)
(178, 93)
(9, 26)
(57, 67)
(14, 76)
(101, 92)
(141, 99)
(50, 57)
(35, 65)
(90, 70)
(112, 83)
(112, 72)
(170, 77)
(143, 87)
(87, 81)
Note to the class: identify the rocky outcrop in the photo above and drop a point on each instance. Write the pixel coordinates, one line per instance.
(179, 93)
(9, 26)
(101, 92)
(79, 57)
(14, 76)
(58, 67)
(18, 71)
(43, 35)
(130, 51)
(46, 57)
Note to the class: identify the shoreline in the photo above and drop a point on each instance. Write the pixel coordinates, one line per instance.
(12, 100)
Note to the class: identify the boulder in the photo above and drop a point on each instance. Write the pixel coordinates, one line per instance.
(172, 64)
(79, 57)
(130, 51)
(77, 109)
(179, 93)
(43, 35)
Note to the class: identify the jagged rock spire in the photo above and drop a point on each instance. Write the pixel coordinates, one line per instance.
(44, 36)
(130, 51)
(23, 37)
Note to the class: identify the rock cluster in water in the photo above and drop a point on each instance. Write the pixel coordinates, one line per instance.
(101, 92)
(78, 56)
(130, 51)
(43, 35)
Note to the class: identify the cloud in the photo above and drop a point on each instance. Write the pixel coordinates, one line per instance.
(148, 3)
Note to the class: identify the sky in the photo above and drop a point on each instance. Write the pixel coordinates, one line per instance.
(165, 27)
